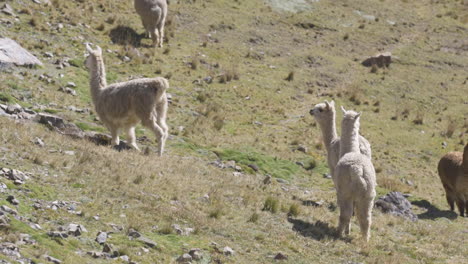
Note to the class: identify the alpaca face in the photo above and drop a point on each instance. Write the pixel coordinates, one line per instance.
(350, 119)
(323, 111)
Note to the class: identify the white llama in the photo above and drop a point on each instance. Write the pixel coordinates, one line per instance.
(123, 105)
(355, 178)
(325, 115)
(153, 15)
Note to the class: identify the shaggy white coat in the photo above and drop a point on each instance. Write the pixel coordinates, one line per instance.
(153, 16)
(355, 178)
(325, 115)
(121, 106)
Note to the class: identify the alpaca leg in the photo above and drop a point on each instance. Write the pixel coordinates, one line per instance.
(159, 132)
(450, 197)
(132, 138)
(364, 215)
(115, 136)
(461, 207)
(161, 33)
(346, 211)
(155, 37)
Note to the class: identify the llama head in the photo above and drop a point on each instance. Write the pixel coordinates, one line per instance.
(323, 111)
(350, 119)
(93, 56)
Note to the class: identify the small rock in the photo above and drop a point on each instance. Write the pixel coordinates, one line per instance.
(133, 233)
(327, 176)
(150, 243)
(228, 251)
(237, 174)
(124, 258)
(71, 84)
(107, 248)
(69, 152)
(444, 144)
(57, 234)
(3, 187)
(254, 167)
(7, 9)
(14, 109)
(39, 142)
(35, 226)
(76, 230)
(281, 256)
(126, 59)
(396, 204)
(380, 60)
(302, 149)
(185, 258)
(8, 210)
(267, 179)
(48, 54)
(52, 259)
(195, 253)
(11, 199)
(282, 180)
(230, 164)
(101, 237)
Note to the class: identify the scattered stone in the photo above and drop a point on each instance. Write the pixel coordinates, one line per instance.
(267, 179)
(237, 174)
(282, 180)
(14, 109)
(10, 250)
(68, 90)
(76, 230)
(108, 248)
(396, 204)
(11, 53)
(254, 167)
(101, 237)
(313, 203)
(327, 176)
(124, 258)
(38, 142)
(133, 233)
(69, 152)
(185, 258)
(380, 60)
(228, 251)
(35, 226)
(48, 54)
(3, 187)
(7, 9)
(52, 259)
(196, 253)
(71, 84)
(302, 149)
(281, 256)
(4, 220)
(57, 234)
(231, 164)
(8, 210)
(58, 124)
(150, 243)
(11, 199)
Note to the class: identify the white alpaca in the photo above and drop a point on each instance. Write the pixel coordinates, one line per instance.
(153, 15)
(324, 114)
(123, 105)
(355, 178)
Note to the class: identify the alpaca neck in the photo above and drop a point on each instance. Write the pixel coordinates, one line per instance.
(328, 132)
(98, 78)
(349, 141)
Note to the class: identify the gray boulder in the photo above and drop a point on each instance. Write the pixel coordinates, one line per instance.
(396, 204)
(11, 53)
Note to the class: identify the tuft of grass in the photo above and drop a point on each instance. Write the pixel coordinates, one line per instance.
(271, 205)
(216, 213)
(451, 127)
(276, 167)
(7, 98)
(254, 217)
(290, 76)
(88, 127)
(294, 210)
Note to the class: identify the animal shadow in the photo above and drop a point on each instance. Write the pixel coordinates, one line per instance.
(123, 35)
(432, 211)
(318, 230)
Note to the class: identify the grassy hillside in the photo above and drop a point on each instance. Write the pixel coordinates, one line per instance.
(243, 76)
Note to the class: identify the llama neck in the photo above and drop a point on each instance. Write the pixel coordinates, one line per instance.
(349, 141)
(328, 132)
(98, 78)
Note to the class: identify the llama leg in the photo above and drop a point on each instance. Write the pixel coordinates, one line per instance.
(461, 206)
(132, 138)
(346, 211)
(364, 215)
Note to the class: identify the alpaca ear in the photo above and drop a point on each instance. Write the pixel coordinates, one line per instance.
(99, 50)
(344, 110)
(327, 104)
(88, 48)
(332, 103)
(358, 115)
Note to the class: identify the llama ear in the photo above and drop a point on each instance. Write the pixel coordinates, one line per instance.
(99, 50)
(344, 110)
(332, 103)
(327, 104)
(358, 115)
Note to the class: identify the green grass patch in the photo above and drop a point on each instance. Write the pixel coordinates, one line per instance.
(88, 127)
(51, 111)
(76, 62)
(274, 166)
(7, 98)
